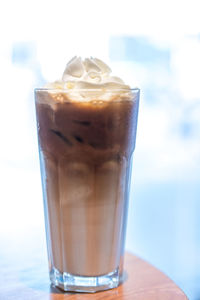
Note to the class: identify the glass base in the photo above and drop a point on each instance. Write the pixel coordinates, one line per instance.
(86, 284)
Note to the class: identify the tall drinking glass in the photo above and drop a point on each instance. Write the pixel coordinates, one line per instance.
(86, 150)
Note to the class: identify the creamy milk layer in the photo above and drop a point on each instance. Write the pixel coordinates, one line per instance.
(86, 129)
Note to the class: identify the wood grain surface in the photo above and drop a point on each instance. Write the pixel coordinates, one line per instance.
(28, 280)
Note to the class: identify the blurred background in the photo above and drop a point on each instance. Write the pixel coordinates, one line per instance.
(154, 45)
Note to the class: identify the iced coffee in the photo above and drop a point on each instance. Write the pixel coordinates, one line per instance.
(86, 129)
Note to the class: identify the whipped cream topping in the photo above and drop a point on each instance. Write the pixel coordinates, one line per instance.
(90, 73)
(86, 80)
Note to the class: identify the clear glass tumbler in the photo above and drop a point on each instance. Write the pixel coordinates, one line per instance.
(86, 149)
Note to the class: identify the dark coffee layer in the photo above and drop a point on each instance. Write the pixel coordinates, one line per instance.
(85, 129)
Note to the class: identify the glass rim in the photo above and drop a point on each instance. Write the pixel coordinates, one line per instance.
(136, 89)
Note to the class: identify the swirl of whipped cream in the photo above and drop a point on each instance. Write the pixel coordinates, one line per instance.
(87, 80)
(90, 73)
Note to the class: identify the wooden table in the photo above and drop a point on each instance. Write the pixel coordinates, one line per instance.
(24, 276)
